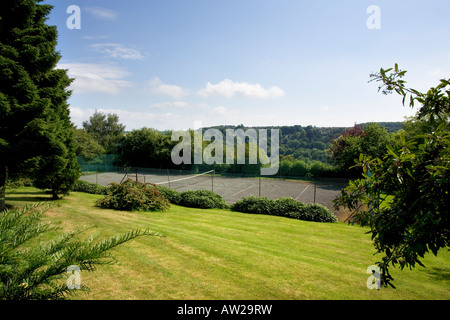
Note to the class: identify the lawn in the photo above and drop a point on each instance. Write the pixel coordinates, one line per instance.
(219, 254)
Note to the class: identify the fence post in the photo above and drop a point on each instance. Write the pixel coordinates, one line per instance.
(168, 177)
(260, 183)
(315, 189)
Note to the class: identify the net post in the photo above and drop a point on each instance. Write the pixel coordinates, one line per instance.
(126, 174)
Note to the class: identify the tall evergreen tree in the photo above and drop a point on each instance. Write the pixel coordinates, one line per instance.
(35, 128)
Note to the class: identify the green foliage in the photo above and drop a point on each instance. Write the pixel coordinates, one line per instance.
(57, 172)
(414, 173)
(85, 145)
(319, 213)
(254, 204)
(288, 207)
(134, 196)
(35, 128)
(371, 141)
(37, 272)
(20, 182)
(304, 152)
(285, 207)
(204, 199)
(105, 129)
(291, 168)
(172, 195)
(146, 148)
(89, 187)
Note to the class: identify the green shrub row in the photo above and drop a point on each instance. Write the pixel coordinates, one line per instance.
(285, 207)
(134, 196)
(203, 199)
(137, 196)
(88, 187)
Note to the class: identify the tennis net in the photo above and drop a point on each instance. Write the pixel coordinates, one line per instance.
(203, 181)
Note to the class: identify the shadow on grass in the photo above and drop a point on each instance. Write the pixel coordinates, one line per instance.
(17, 198)
(440, 274)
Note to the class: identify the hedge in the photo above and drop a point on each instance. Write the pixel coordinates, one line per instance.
(88, 187)
(203, 199)
(285, 207)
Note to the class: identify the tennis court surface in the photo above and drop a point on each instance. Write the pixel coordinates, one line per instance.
(233, 188)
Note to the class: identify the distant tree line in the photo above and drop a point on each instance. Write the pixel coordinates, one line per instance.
(304, 151)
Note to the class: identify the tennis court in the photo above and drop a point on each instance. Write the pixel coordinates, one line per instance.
(232, 188)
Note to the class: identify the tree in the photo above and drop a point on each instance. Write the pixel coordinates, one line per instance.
(85, 145)
(370, 141)
(106, 130)
(34, 117)
(403, 195)
(146, 148)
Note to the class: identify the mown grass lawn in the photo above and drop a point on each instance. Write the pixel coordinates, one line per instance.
(219, 254)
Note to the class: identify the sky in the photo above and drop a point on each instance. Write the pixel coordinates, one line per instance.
(167, 64)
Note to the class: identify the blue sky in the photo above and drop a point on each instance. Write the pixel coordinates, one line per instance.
(166, 63)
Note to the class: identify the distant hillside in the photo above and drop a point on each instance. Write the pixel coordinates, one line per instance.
(390, 126)
(309, 143)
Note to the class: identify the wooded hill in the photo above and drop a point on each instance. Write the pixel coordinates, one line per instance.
(309, 143)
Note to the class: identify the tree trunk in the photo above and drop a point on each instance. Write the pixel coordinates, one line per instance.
(3, 175)
(55, 194)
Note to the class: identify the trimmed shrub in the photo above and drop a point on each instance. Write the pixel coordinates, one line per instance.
(320, 213)
(285, 207)
(254, 204)
(88, 187)
(288, 207)
(203, 199)
(172, 195)
(134, 196)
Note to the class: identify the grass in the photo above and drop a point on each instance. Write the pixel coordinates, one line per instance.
(219, 254)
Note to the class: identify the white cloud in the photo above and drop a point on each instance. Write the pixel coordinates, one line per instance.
(78, 115)
(174, 104)
(102, 13)
(115, 50)
(220, 111)
(437, 73)
(138, 119)
(228, 89)
(169, 90)
(90, 77)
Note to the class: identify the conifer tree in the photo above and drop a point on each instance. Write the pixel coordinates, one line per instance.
(35, 128)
